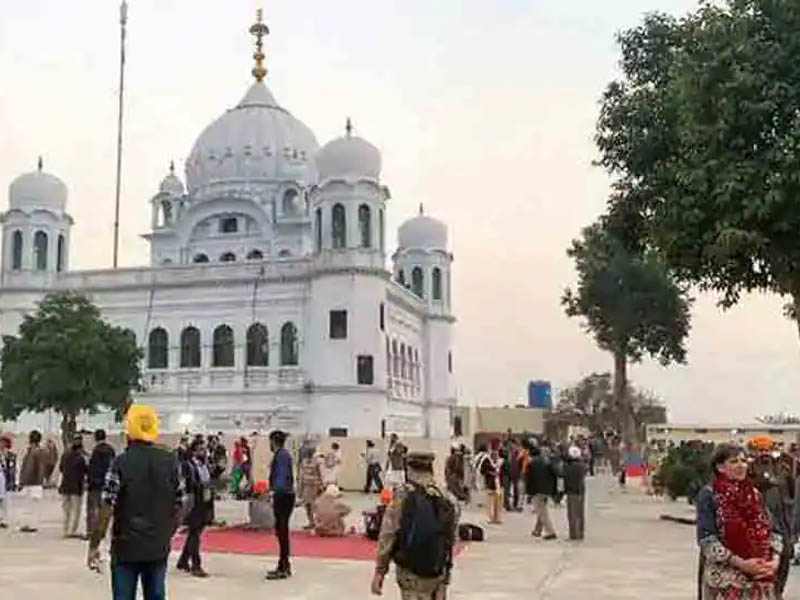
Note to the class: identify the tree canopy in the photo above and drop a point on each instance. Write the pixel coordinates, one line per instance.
(66, 358)
(629, 303)
(702, 134)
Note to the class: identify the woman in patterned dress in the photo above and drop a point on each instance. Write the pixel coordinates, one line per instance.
(739, 548)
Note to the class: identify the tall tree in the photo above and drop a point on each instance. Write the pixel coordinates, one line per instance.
(66, 358)
(631, 306)
(702, 134)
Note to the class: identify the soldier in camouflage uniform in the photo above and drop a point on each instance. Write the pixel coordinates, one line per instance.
(412, 587)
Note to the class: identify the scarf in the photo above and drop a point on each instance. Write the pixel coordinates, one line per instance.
(744, 526)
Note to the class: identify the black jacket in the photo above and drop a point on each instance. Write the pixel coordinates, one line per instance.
(73, 473)
(99, 463)
(574, 477)
(540, 477)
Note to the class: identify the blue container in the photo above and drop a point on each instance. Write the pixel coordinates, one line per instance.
(540, 394)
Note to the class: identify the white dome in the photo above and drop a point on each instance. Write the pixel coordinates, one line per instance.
(171, 185)
(348, 156)
(256, 140)
(422, 232)
(37, 190)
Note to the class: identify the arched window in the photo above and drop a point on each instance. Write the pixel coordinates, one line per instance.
(40, 250)
(227, 257)
(190, 348)
(403, 369)
(318, 229)
(223, 346)
(339, 226)
(437, 283)
(388, 357)
(255, 255)
(365, 225)
(200, 258)
(395, 360)
(157, 349)
(289, 345)
(16, 251)
(289, 205)
(166, 210)
(401, 277)
(61, 251)
(418, 282)
(381, 232)
(257, 346)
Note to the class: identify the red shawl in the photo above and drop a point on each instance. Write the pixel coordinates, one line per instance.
(744, 526)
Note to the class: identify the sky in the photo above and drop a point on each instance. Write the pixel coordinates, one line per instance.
(484, 112)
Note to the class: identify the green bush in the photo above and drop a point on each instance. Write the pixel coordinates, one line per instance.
(685, 469)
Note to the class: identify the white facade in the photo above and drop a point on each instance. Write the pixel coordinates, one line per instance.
(267, 301)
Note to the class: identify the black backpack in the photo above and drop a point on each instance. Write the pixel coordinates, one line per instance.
(425, 540)
(470, 533)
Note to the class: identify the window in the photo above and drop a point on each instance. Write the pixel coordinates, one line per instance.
(166, 210)
(365, 366)
(190, 348)
(458, 427)
(318, 229)
(200, 258)
(418, 282)
(365, 226)
(16, 251)
(228, 257)
(339, 227)
(255, 255)
(289, 203)
(223, 346)
(381, 232)
(338, 324)
(284, 253)
(61, 250)
(257, 346)
(289, 345)
(395, 360)
(388, 357)
(401, 277)
(449, 362)
(337, 432)
(157, 349)
(40, 250)
(382, 317)
(229, 225)
(403, 370)
(437, 283)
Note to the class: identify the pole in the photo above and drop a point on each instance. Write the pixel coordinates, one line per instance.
(123, 20)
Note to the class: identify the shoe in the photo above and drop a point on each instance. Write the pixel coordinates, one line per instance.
(278, 574)
(3, 526)
(183, 567)
(536, 533)
(550, 537)
(27, 529)
(198, 572)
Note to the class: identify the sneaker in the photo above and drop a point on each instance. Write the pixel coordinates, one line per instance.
(550, 537)
(182, 567)
(27, 529)
(536, 533)
(278, 574)
(198, 572)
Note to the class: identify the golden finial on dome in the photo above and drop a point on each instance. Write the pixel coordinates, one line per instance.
(40, 163)
(348, 127)
(259, 30)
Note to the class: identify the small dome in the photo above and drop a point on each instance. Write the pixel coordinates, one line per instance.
(171, 184)
(37, 190)
(423, 232)
(350, 156)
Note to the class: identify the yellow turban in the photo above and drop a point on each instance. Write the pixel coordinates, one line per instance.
(141, 423)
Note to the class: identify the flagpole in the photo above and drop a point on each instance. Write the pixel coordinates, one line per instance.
(123, 21)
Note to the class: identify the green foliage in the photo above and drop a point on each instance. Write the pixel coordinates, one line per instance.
(66, 358)
(702, 133)
(629, 302)
(685, 469)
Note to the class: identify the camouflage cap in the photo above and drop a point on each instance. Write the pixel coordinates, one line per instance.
(420, 459)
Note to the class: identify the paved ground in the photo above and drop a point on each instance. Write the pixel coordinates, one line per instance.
(628, 553)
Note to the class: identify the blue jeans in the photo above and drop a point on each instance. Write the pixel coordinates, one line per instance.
(125, 579)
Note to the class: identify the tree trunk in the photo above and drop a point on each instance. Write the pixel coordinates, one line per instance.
(623, 401)
(796, 301)
(68, 428)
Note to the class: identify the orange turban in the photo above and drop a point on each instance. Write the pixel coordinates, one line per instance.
(762, 442)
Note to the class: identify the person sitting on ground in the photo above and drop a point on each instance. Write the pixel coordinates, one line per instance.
(329, 513)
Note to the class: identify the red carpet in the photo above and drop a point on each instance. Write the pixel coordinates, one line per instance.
(237, 540)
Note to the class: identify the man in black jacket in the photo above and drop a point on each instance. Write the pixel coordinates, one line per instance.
(99, 464)
(541, 485)
(575, 489)
(144, 492)
(73, 481)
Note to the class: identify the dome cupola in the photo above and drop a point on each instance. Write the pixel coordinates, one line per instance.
(422, 231)
(348, 156)
(171, 184)
(38, 190)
